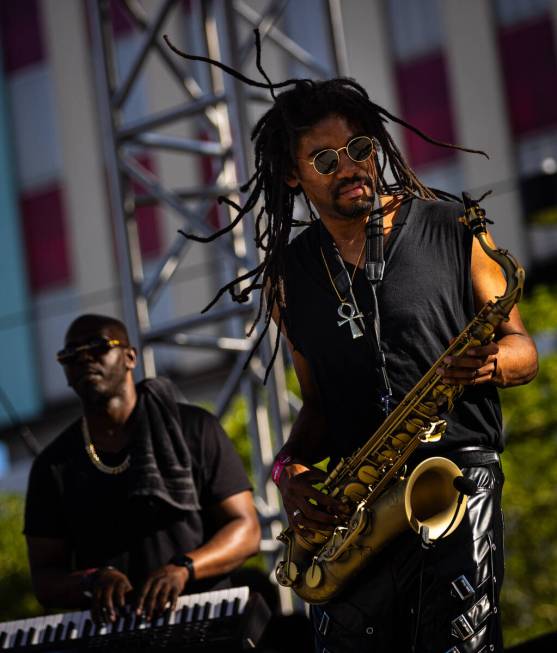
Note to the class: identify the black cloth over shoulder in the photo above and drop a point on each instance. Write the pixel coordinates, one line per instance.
(160, 458)
(105, 523)
(425, 299)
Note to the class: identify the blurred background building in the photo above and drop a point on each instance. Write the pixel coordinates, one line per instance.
(481, 73)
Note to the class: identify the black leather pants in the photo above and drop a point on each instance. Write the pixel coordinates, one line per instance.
(439, 600)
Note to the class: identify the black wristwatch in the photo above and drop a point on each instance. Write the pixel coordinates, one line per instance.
(183, 560)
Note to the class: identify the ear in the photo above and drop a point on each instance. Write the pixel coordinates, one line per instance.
(131, 357)
(292, 180)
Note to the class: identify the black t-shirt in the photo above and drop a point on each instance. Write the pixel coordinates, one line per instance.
(70, 499)
(425, 299)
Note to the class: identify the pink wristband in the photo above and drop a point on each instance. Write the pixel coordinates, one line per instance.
(280, 464)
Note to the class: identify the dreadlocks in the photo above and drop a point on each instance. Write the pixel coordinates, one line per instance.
(275, 138)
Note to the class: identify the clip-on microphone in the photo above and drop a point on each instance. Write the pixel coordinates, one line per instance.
(465, 486)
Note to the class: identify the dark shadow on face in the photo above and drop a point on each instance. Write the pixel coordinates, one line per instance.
(98, 375)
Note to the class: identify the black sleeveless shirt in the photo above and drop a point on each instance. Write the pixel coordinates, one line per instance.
(425, 299)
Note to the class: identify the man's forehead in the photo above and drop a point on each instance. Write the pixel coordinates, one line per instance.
(83, 332)
(327, 132)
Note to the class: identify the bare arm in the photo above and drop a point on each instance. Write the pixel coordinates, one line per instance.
(305, 447)
(56, 586)
(511, 359)
(236, 540)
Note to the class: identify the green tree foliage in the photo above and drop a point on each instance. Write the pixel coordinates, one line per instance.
(16, 597)
(529, 500)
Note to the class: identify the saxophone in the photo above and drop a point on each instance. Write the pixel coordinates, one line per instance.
(371, 482)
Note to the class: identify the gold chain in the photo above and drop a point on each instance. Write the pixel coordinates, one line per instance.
(340, 299)
(94, 456)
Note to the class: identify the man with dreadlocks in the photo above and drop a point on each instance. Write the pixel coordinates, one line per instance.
(359, 346)
(361, 336)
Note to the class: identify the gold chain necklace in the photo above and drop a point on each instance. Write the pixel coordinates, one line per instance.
(94, 456)
(340, 299)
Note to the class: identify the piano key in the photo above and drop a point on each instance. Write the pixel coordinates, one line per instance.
(10, 630)
(87, 629)
(59, 632)
(32, 636)
(44, 631)
(18, 637)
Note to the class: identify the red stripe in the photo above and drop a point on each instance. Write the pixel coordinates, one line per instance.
(425, 104)
(44, 229)
(148, 219)
(529, 63)
(20, 34)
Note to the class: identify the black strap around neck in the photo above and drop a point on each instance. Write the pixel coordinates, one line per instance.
(369, 323)
(374, 269)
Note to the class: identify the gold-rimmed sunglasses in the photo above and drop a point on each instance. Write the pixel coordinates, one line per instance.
(96, 346)
(359, 149)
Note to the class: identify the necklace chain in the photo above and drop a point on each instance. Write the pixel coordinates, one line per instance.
(94, 456)
(340, 299)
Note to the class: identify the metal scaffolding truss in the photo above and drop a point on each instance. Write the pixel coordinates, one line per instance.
(219, 110)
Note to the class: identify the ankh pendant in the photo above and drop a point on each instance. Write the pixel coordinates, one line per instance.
(350, 318)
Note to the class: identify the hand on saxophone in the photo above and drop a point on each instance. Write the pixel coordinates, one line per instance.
(477, 366)
(305, 505)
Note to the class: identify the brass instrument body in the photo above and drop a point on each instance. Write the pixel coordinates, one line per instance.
(371, 481)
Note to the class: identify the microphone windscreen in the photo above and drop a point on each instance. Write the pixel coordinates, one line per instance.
(465, 485)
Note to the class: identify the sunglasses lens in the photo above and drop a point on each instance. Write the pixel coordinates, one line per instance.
(360, 149)
(326, 162)
(95, 346)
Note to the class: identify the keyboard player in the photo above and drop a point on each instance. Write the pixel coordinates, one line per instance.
(140, 500)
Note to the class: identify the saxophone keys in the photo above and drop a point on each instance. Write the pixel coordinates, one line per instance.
(367, 474)
(314, 575)
(355, 491)
(399, 440)
(287, 573)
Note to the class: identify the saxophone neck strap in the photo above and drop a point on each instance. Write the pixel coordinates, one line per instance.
(369, 323)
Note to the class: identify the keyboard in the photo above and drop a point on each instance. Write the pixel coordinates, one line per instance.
(220, 621)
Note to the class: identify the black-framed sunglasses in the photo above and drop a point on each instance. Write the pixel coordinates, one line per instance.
(96, 346)
(358, 149)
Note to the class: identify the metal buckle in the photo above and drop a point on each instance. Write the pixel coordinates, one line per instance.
(324, 624)
(462, 628)
(462, 587)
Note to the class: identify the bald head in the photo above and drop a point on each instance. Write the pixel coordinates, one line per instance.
(92, 324)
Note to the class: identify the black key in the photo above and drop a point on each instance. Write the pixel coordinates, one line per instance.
(48, 631)
(166, 617)
(197, 612)
(71, 633)
(128, 620)
(206, 610)
(18, 639)
(3, 638)
(184, 615)
(87, 628)
(31, 634)
(236, 607)
(224, 607)
(59, 632)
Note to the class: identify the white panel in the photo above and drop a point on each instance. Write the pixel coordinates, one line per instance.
(136, 105)
(35, 138)
(510, 12)
(415, 27)
(54, 311)
(444, 176)
(537, 153)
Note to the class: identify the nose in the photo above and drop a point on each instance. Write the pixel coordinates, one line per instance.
(346, 166)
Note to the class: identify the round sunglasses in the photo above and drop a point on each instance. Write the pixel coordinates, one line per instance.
(358, 149)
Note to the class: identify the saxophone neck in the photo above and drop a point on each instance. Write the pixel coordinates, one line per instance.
(475, 219)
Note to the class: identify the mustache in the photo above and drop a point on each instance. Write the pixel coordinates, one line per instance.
(355, 180)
